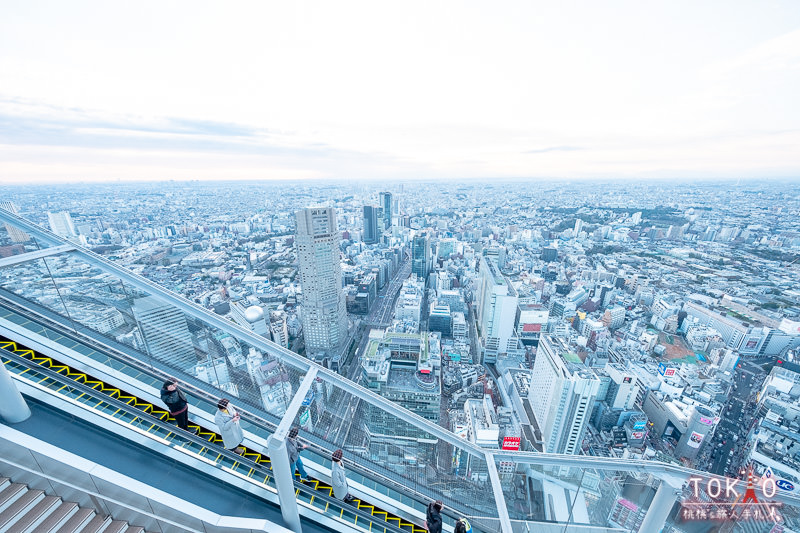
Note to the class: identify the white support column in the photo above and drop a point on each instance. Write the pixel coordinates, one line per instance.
(660, 507)
(284, 481)
(13, 408)
(499, 497)
(279, 457)
(33, 256)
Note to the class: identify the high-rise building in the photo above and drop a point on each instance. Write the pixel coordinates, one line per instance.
(15, 234)
(61, 224)
(614, 317)
(386, 203)
(562, 394)
(439, 319)
(370, 234)
(324, 313)
(165, 332)
(278, 328)
(622, 388)
(549, 254)
(497, 306)
(421, 257)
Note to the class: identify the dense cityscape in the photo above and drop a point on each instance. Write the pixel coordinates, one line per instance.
(656, 320)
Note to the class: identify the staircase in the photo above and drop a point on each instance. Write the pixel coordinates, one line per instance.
(31, 511)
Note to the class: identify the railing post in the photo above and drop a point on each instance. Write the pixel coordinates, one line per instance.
(279, 457)
(284, 481)
(499, 497)
(13, 408)
(666, 495)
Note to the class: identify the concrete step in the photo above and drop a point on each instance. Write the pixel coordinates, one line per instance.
(17, 510)
(59, 517)
(117, 526)
(36, 515)
(96, 524)
(77, 521)
(10, 494)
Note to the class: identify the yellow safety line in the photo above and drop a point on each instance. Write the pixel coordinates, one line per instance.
(211, 436)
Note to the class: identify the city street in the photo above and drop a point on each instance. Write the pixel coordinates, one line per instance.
(736, 420)
(379, 316)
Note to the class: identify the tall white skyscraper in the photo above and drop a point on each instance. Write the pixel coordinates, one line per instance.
(562, 394)
(61, 224)
(15, 234)
(497, 305)
(324, 314)
(165, 332)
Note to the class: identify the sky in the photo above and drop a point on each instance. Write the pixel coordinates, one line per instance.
(106, 91)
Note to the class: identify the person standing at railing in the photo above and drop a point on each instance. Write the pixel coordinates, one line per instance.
(176, 402)
(462, 526)
(294, 447)
(227, 420)
(433, 517)
(339, 479)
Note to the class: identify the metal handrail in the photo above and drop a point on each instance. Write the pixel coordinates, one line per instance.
(52, 374)
(140, 365)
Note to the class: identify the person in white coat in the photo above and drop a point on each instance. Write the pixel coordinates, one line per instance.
(339, 479)
(227, 420)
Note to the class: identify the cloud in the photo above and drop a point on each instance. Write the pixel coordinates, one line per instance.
(49, 126)
(554, 149)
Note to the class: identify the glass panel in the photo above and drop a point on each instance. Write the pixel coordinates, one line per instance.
(403, 458)
(543, 495)
(147, 328)
(14, 241)
(29, 284)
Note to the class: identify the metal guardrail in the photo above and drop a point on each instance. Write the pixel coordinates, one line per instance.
(79, 335)
(198, 441)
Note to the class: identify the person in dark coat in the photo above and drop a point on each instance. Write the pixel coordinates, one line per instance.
(433, 517)
(176, 402)
(462, 526)
(293, 447)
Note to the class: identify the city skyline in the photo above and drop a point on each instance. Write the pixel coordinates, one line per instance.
(367, 92)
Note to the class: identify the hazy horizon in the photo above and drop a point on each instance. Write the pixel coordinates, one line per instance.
(98, 92)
